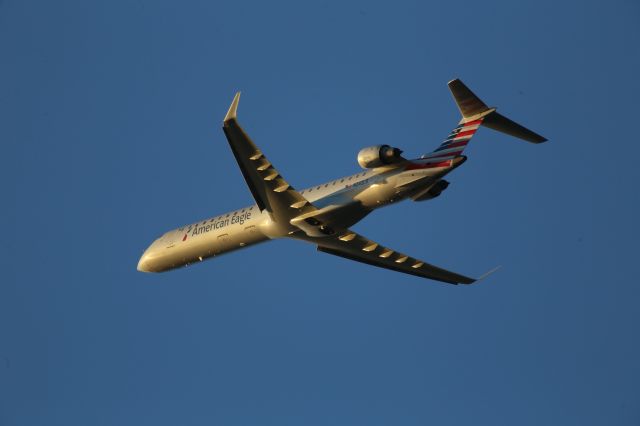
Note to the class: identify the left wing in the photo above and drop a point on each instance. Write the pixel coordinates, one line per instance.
(353, 246)
(268, 187)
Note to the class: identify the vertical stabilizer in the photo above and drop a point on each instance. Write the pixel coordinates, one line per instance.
(468, 103)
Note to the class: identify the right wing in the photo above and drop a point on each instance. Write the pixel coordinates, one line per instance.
(353, 246)
(268, 187)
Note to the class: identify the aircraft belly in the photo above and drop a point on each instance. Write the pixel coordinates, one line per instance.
(411, 180)
(378, 195)
(342, 216)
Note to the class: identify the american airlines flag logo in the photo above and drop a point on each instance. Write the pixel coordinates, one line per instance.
(457, 140)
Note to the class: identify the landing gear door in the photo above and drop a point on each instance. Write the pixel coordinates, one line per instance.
(224, 243)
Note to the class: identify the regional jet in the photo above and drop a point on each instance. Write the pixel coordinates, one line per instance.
(324, 214)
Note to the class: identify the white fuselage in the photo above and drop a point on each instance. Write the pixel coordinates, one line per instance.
(341, 202)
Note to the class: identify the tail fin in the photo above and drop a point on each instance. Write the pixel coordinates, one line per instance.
(456, 141)
(476, 113)
(472, 108)
(468, 103)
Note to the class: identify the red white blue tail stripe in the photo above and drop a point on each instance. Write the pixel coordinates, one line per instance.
(456, 141)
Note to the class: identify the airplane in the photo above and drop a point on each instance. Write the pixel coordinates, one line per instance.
(323, 214)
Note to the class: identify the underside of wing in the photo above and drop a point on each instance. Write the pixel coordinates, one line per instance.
(353, 246)
(270, 190)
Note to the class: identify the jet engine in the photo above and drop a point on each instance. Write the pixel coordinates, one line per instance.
(378, 156)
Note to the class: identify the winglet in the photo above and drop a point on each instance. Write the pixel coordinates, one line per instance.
(486, 274)
(233, 109)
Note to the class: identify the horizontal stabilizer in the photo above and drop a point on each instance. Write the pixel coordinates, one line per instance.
(502, 124)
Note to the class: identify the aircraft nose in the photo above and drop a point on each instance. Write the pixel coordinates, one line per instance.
(144, 263)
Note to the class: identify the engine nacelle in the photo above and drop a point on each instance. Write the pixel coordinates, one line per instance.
(378, 156)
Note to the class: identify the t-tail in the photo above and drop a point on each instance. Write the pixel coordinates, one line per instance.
(476, 113)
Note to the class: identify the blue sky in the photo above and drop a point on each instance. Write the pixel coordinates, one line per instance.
(111, 116)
